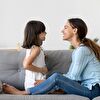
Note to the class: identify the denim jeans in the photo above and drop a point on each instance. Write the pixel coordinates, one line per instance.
(68, 85)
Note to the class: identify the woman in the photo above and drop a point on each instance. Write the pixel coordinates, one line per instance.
(83, 77)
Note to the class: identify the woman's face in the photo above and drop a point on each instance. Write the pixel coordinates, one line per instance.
(68, 31)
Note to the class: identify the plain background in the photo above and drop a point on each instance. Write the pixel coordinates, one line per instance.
(14, 14)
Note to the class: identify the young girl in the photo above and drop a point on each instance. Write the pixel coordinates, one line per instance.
(34, 62)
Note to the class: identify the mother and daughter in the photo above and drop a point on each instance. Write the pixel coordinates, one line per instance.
(83, 77)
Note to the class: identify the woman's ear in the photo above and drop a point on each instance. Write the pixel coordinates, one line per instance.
(75, 30)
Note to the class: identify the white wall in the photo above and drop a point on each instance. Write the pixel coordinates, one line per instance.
(14, 14)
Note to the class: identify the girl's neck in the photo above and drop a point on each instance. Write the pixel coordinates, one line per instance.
(40, 43)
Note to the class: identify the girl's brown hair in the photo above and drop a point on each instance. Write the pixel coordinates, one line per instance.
(31, 33)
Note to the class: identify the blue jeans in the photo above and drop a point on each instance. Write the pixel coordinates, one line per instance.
(68, 85)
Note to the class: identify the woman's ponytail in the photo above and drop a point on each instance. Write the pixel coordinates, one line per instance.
(93, 46)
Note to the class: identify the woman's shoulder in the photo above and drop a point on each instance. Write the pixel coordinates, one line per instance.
(83, 49)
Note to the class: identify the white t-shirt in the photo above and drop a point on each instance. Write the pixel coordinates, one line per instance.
(30, 76)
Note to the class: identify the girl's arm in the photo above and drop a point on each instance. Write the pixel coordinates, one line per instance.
(27, 63)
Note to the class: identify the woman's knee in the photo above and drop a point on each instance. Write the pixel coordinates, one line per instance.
(55, 75)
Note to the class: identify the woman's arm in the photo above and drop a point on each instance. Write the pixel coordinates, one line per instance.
(79, 63)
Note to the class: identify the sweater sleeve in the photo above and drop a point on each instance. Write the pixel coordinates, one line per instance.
(79, 62)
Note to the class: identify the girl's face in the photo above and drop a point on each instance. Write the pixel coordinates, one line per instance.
(68, 31)
(42, 36)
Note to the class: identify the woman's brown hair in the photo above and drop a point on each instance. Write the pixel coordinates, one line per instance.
(81, 34)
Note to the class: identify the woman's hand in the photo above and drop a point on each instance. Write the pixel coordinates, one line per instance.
(37, 82)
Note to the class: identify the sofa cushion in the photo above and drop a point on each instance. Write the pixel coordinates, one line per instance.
(97, 98)
(58, 61)
(9, 70)
(1, 86)
(42, 97)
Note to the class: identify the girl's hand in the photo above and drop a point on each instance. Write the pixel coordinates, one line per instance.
(44, 70)
(37, 82)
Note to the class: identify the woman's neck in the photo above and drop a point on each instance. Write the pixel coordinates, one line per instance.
(75, 42)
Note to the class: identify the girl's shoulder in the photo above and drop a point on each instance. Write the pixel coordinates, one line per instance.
(34, 50)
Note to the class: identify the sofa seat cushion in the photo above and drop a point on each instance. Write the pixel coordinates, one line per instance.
(42, 97)
(97, 98)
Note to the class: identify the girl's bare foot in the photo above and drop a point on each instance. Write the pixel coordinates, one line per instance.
(12, 90)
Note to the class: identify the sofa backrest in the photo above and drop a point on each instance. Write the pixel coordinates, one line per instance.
(58, 61)
(11, 69)
(11, 65)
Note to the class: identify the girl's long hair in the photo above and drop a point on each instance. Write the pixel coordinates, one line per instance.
(31, 33)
